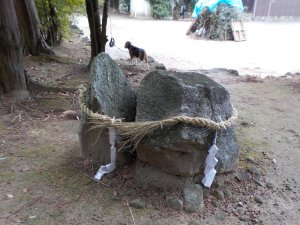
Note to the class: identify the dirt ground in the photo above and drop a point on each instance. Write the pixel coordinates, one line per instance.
(43, 180)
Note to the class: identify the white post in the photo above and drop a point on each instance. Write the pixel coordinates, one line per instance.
(254, 9)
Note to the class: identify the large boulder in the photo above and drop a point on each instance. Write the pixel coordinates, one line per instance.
(181, 150)
(109, 93)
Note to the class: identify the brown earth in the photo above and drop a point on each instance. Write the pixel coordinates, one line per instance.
(43, 180)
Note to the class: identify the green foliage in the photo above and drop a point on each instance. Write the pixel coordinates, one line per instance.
(217, 24)
(63, 9)
(125, 4)
(161, 8)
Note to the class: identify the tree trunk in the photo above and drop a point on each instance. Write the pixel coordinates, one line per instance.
(97, 35)
(12, 76)
(53, 34)
(29, 25)
(103, 38)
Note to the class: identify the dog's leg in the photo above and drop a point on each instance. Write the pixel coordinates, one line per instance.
(146, 64)
(146, 60)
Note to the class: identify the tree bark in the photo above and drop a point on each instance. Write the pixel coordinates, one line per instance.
(103, 38)
(53, 35)
(29, 26)
(97, 35)
(12, 76)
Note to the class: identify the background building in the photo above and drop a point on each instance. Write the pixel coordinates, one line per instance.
(140, 9)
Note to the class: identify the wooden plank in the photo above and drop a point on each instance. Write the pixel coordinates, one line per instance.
(239, 33)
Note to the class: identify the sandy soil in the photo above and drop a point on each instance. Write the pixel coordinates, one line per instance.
(43, 180)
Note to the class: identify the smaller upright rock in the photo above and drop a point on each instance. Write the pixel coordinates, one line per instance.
(109, 93)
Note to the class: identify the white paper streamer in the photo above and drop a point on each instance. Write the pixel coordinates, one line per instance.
(210, 163)
(112, 165)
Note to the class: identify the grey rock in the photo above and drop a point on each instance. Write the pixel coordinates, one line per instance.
(220, 215)
(240, 204)
(137, 203)
(260, 222)
(258, 199)
(270, 185)
(181, 150)
(206, 192)
(225, 71)
(85, 39)
(111, 89)
(288, 187)
(160, 67)
(245, 124)
(109, 93)
(74, 27)
(81, 32)
(242, 175)
(254, 171)
(218, 184)
(214, 203)
(175, 203)
(227, 193)
(156, 205)
(250, 159)
(193, 198)
(219, 195)
(151, 59)
(236, 199)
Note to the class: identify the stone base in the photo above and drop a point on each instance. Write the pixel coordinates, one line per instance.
(95, 146)
(147, 175)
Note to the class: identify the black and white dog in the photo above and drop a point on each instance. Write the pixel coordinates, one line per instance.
(136, 52)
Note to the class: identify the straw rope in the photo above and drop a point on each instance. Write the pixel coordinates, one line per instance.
(133, 132)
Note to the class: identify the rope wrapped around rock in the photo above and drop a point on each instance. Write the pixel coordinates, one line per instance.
(133, 132)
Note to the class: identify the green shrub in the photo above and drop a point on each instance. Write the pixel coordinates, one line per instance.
(54, 16)
(161, 8)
